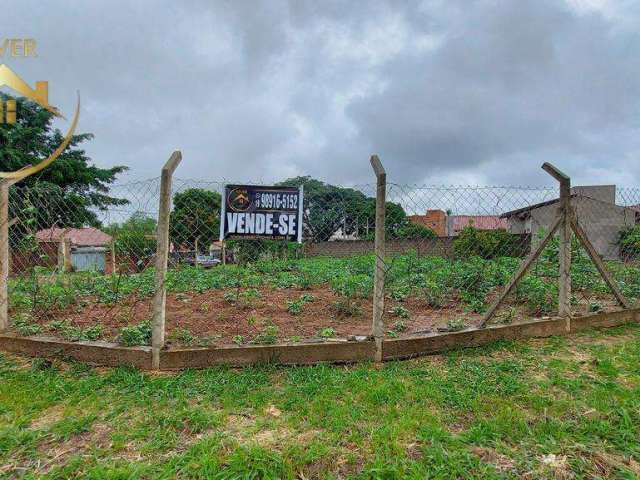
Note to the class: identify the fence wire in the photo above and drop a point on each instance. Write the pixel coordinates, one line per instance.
(87, 273)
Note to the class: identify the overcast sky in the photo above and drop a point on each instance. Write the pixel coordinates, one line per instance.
(445, 92)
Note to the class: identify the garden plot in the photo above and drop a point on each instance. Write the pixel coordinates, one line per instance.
(315, 299)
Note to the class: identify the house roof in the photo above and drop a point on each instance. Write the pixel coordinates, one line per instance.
(81, 237)
(481, 222)
(532, 207)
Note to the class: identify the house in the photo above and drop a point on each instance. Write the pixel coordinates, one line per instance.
(445, 225)
(78, 249)
(595, 209)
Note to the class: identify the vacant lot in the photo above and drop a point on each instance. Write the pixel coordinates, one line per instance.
(556, 408)
(293, 300)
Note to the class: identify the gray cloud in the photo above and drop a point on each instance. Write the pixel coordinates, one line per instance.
(444, 91)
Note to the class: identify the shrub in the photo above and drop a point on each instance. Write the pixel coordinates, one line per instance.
(629, 242)
(486, 243)
(412, 230)
(134, 335)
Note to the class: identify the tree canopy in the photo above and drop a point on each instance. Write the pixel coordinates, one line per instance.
(329, 209)
(195, 215)
(69, 192)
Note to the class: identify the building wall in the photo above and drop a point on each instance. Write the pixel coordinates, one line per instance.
(436, 220)
(600, 220)
(441, 247)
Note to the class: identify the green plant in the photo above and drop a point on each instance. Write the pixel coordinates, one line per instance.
(327, 333)
(456, 324)
(307, 297)
(23, 323)
(294, 307)
(347, 307)
(184, 336)
(629, 241)
(399, 326)
(400, 311)
(238, 339)
(134, 335)
(248, 298)
(231, 297)
(268, 337)
(487, 243)
(400, 293)
(595, 307)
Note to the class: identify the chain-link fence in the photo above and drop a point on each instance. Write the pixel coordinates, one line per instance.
(83, 273)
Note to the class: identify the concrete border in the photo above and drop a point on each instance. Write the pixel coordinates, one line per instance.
(111, 355)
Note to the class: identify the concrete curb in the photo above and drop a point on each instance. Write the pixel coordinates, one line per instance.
(111, 355)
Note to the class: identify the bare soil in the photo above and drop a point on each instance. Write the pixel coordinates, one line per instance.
(210, 319)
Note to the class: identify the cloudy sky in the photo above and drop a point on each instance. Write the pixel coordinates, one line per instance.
(446, 92)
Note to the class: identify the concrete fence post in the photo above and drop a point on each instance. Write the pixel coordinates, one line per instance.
(379, 248)
(162, 257)
(564, 249)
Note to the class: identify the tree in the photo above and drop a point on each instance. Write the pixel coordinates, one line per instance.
(135, 238)
(329, 209)
(69, 192)
(195, 215)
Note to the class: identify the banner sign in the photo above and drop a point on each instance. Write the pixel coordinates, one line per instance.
(250, 211)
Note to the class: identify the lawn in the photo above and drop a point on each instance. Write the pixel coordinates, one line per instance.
(271, 301)
(566, 407)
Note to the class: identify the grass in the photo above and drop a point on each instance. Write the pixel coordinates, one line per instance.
(565, 407)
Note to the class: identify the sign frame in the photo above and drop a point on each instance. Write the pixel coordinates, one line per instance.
(296, 237)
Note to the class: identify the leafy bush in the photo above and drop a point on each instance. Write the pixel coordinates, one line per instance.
(415, 231)
(294, 307)
(134, 335)
(629, 242)
(486, 243)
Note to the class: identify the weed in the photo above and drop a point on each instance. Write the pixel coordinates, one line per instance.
(400, 311)
(184, 336)
(456, 324)
(268, 337)
(399, 326)
(307, 297)
(294, 307)
(134, 335)
(327, 333)
(347, 307)
(238, 339)
(595, 307)
(24, 325)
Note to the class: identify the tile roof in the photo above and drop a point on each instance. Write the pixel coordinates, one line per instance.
(81, 237)
(481, 222)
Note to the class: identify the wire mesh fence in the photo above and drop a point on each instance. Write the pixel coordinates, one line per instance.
(88, 274)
